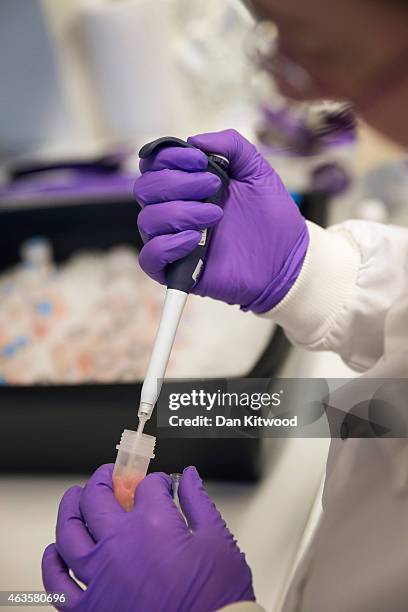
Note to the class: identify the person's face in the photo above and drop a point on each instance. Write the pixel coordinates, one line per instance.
(353, 50)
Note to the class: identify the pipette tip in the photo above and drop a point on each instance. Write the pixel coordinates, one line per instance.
(142, 422)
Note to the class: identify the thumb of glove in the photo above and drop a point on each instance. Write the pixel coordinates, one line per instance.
(198, 508)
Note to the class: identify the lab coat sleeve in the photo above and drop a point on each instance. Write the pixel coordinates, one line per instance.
(243, 606)
(351, 276)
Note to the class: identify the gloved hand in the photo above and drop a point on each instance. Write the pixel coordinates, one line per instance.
(146, 559)
(260, 239)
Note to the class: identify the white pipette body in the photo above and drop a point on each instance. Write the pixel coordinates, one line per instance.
(163, 344)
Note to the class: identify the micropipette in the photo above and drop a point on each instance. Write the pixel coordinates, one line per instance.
(181, 276)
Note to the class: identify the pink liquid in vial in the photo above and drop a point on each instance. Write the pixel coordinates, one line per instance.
(124, 488)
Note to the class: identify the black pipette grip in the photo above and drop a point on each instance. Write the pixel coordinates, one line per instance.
(184, 273)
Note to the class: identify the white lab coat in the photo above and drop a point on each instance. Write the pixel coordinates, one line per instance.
(352, 298)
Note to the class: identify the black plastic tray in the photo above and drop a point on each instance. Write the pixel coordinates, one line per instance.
(75, 428)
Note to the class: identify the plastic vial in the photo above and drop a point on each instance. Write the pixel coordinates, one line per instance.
(37, 256)
(132, 462)
(175, 479)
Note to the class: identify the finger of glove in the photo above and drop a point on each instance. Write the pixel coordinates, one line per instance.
(243, 157)
(73, 541)
(172, 217)
(154, 501)
(98, 505)
(162, 250)
(169, 185)
(175, 158)
(56, 579)
(197, 506)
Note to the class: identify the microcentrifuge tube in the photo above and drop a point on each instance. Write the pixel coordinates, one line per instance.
(132, 462)
(175, 479)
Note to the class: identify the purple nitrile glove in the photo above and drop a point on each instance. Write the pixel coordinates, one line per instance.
(260, 239)
(146, 559)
